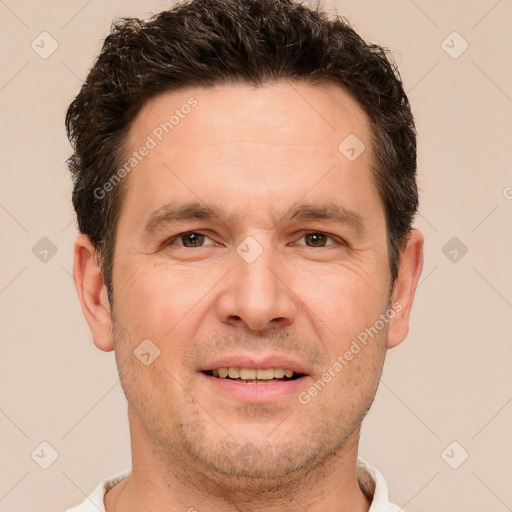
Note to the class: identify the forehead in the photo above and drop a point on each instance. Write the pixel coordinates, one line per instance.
(242, 144)
(272, 113)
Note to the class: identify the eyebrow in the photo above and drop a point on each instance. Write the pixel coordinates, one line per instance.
(176, 212)
(330, 212)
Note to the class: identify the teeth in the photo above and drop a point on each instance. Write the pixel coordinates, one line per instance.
(234, 373)
(265, 374)
(252, 374)
(247, 374)
(278, 373)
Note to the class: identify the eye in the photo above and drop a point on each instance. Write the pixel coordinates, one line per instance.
(190, 239)
(319, 239)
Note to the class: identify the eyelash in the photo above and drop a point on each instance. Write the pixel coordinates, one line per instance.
(336, 240)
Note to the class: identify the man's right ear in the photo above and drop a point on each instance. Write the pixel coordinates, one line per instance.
(92, 293)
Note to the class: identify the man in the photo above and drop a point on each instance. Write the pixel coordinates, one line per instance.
(245, 186)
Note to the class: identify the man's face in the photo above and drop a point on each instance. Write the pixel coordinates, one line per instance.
(256, 288)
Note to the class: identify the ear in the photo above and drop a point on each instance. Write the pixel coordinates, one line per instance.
(411, 263)
(92, 293)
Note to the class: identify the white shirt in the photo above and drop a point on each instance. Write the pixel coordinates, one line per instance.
(374, 485)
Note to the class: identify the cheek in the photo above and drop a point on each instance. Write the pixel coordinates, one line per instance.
(351, 375)
(149, 369)
(342, 302)
(163, 302)
(152, 293)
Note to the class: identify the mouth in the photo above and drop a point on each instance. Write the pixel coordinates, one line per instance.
(254, 378)
(254, 375)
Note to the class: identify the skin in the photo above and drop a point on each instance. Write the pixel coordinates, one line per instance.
(254, 152)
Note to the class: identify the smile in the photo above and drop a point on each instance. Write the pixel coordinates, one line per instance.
(254, 375)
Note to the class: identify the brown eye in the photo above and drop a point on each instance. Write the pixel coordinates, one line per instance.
(192, 239)
(316, 239)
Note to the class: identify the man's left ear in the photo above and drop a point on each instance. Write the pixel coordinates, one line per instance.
(411, 263)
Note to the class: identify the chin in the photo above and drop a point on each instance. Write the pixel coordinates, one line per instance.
(265, 460)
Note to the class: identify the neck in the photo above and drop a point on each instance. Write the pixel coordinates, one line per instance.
(159, 482)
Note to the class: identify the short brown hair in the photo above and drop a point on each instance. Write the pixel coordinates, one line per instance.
(209, 42)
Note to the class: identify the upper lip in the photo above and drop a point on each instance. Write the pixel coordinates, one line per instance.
(255, 361)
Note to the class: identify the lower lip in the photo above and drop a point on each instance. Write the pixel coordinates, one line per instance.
(264, 392)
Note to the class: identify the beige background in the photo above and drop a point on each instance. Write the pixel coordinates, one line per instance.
(450, 381)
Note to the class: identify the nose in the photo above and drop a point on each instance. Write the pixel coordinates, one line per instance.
(256, 293)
